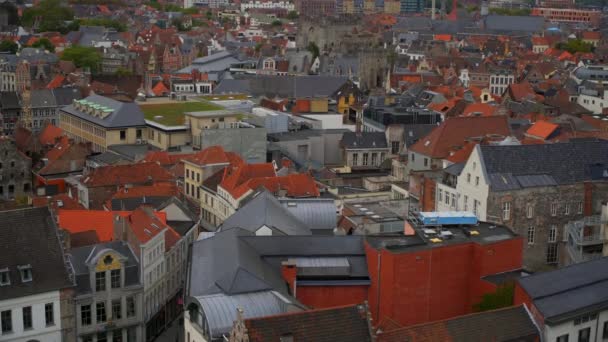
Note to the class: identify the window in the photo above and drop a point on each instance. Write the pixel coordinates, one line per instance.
(49, 314)
(27, 317)
(413, 157)
(123, 135)
(579, 207)
(454, 200)
(506, 211)
(468, 178)
(4, 277)
(440, 195)
(138, 134)
(102, 337)
(365, 157)
(130, 306)
(7, 321)
(529, 210)
(584, 334)
(355, 159)
(115, 279)
(466, 203)
(551, 253)
(531, 235)
(187, 173)
(85, 314)
(562, 338)
(476, 180)
(100, 281)
(26, 273)
(605, 333)
(554, 209)
(100, 310)
(116, 309)
(475, 206)
(447, 198)
(426, 162)
(566, 209)
(374, 159)
(394, 147)
(553, 234)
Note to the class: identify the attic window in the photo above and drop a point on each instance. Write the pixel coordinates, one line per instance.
(26, 273)
(4, 277)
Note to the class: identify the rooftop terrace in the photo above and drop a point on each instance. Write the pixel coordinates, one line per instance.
(172, 113)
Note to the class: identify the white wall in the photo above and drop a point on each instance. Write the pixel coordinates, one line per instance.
(40, 331)
(440, 202)
(551, 333)
(190, 332)
(473, 192)
(592, 103)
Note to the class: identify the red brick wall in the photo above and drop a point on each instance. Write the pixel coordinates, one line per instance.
(438, 283)
(329, 296)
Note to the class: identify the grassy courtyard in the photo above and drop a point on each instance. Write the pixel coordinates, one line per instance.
(172, 114)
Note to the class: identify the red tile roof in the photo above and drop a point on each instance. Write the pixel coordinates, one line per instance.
(443, 37)
(67, 202)
(56, 82)
(78, 221)
(160, 89)
(540, 41)
(479, 109)
(116, 175)
(146, 224)
(523, 91)
(592, 35)
(454, 132)
(161, 189)
(542, 129)
(211, 155)
(58, 149)
(49, 135)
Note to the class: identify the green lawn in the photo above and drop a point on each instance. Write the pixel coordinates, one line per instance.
(222, 97)
(172, 114)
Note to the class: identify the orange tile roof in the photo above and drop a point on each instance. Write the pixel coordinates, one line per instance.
(540, 41)
(211, 155)
(146, 225)
(454, 131)
(59, 149)
(483, 109)
(522, 91)
(49, 134)
(160, 89)
(462, 155)
(79, 221)
(67, 202)
(127, 174)
(160, 189)
(542, 129)
(443, 37)
(592, 35)
(56, 82)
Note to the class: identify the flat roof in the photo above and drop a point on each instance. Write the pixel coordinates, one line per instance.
(173, 113)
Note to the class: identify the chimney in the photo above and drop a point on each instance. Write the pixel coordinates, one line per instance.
(289, 272)
(588, 204)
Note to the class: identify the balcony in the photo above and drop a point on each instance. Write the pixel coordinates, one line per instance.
(587, 231)
(578, 254)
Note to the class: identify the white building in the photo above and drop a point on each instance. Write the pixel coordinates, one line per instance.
(33, 276)
(267, 5)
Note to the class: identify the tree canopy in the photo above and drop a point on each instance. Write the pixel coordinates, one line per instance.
(50, 15)
(574, 46)
(83, 57)
(44, 43)
(8, 46)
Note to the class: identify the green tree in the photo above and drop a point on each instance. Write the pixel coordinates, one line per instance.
(209, 15)
(8, 46)
(511, 11)
(292, 15)
(276, 23)
(503, 297)
(83, 57)
(105, 22)
(574, 46)
(191, 10)
(314, 49)
(123, 72)
(44, 43)
(51, 15)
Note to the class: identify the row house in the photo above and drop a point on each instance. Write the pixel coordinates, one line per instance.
(15, 171)
(365, 151)
(534, 189)
(36, 279)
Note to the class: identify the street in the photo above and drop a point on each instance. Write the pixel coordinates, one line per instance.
(174, 333)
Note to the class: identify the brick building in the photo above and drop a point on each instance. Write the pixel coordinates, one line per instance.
(569, 15)
(15, 171)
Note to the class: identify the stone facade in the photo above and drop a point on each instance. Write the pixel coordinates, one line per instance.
(15, 171)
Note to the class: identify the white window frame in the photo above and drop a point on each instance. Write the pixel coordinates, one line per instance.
(531, 235)
(552, 234)
(506, 211)
(529, 210)
(554, 207)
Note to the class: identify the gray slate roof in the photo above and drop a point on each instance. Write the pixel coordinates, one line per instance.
(318, 214)
(125, 114)
(361, 140)
(43, 98)
(82, 257)
(283, 86)
(504, 23)
(65, 96)
(29, 237)
(221, 310)
(569, 292)
(521, 166)
(265, 210)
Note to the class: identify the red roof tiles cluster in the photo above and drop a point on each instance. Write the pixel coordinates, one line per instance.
(542, 129)
(127, 174)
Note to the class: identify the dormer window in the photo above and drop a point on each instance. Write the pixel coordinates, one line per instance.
(4, 277)
(26, 273)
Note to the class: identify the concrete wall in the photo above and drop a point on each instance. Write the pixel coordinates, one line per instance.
(249, 143)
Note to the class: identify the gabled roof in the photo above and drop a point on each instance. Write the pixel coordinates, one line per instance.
(542, 129)
(79, 221)
(146, 224)
(347, 324)
(49, 134)
(508, 324)
(265, 210)
(364, 140)
(454, 131)
(29, 237)
(127, 174)
(211, 155)
(570, 291)
(518, 166)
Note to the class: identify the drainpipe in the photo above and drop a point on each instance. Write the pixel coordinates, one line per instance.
(378, 289)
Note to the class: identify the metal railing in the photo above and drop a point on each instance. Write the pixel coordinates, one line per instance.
(593, 224)
(577, 255)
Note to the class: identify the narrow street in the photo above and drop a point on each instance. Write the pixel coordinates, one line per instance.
(175, 332)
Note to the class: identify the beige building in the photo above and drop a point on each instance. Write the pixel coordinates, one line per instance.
(103, 122)
(211, 119)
